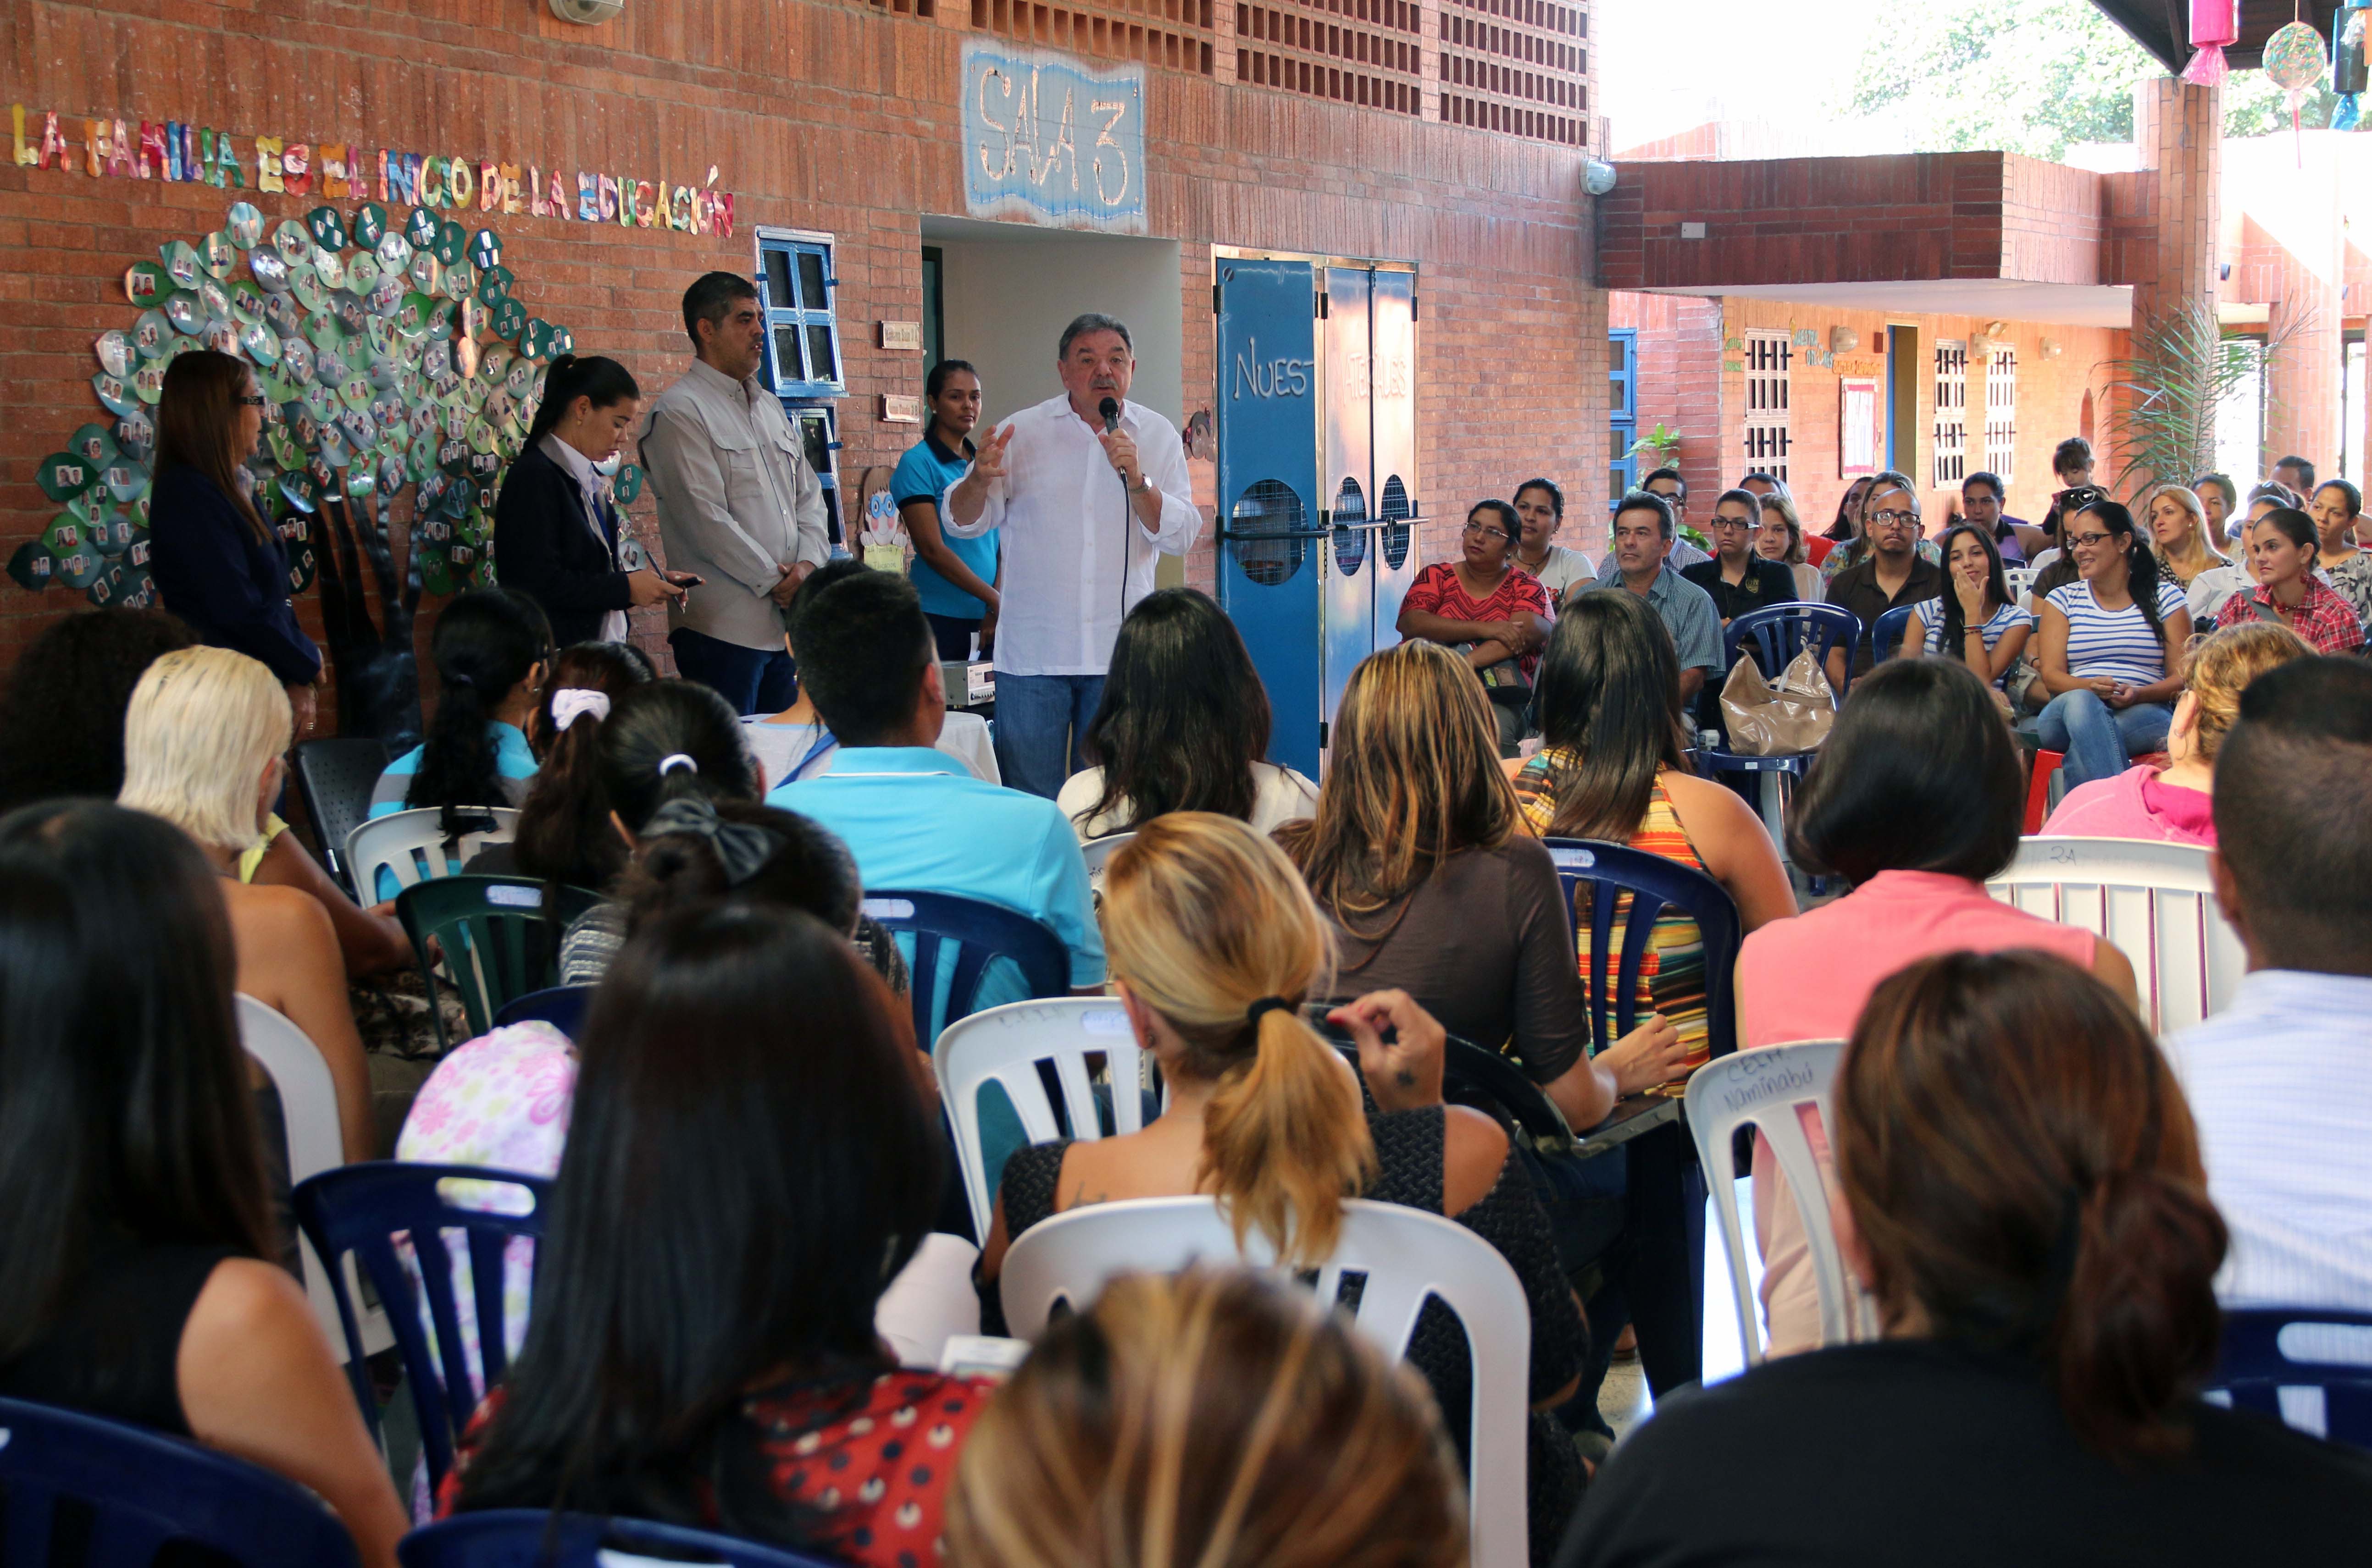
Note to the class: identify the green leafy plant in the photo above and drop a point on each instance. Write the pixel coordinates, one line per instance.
(1661, 444)
(2164, 395)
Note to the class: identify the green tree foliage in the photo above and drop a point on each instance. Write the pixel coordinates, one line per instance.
(2031, 77)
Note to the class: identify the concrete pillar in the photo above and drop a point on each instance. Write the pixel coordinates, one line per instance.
(2302, 405)
(2179, 129)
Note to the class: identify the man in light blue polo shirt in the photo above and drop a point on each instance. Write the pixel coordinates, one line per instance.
(913, 816)
(1643, 540)
(956, 578)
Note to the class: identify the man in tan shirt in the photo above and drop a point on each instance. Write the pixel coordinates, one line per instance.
(738, 505)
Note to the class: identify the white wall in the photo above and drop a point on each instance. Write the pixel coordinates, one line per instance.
(1009, 291)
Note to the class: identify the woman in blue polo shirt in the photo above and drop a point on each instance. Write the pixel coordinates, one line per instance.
(955, 577)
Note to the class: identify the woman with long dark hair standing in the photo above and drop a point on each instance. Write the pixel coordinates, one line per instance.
(135, 1274)
(216, 562)
(556, 534)
(2113, 649)
(1183, 727)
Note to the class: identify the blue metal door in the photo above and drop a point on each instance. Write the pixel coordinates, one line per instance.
(1270, 522)
(1399, 499)
(1350, 482)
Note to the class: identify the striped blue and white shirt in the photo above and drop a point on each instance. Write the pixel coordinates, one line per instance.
(2121, 644)
(2279, 1083)
(2005, 620)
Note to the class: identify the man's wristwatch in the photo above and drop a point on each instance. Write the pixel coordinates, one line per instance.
(1142, 485)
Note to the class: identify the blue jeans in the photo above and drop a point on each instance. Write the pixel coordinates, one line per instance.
(2099, 741)
(755, 680)
(1042, 728)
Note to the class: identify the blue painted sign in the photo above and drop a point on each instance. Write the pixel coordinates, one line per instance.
(1048, 140)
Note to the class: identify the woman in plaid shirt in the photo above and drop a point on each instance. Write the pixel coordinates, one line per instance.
(2282, 548)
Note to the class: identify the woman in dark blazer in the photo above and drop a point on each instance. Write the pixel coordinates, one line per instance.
(555, 531)
(215, 563)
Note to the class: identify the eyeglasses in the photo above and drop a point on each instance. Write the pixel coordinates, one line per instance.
(1476, 530)
(1721, 522)
(256, 401)
(1893, 519)
(2081, 538)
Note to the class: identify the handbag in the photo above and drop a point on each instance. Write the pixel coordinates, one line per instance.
(1767, 719)
(1504, 683)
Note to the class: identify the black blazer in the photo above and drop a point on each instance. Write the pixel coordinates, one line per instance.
(543, 548)
(230, 586)
(1767, 583)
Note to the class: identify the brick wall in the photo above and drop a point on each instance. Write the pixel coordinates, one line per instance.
(818, 115)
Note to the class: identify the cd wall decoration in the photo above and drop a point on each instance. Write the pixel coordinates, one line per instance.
(378, 372)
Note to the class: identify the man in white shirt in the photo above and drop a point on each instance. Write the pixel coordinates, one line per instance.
(1085, 502)
(2280, 1082)
(738, 505)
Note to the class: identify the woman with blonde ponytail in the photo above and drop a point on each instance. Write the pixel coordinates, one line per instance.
(1214, 944)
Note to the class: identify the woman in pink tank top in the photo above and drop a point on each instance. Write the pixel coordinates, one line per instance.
(1915, 800)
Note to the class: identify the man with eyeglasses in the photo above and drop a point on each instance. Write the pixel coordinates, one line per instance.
(1669, 487)
(1640, 565)
(1894, 573)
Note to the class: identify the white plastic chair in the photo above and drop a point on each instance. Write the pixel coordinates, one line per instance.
(2155, 901)
(1769, 1089)
(412, 847)
(308, 1111)
(1005, 1045)
(1407, 1256)
(2020, 580)
(1095, 852)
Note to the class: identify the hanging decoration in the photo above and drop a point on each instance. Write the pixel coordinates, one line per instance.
(2214, 26)
(2348, 76)
(2295, 61)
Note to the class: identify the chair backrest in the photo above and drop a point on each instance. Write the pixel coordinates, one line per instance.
(501, 936)
(363, 1209)
(412, 846)
(309, 1116)
(2269, 1349)
(1886, 632)
(2020, 580)
(562, 1006)
(1777, 632)
(106, 1493)
(1771, 1091)
(334, 778)
(1653, 882)
(1406, 1256)
(1095, 852)
(2155, 901)
(954, 940)
(536, 1538)
(1007, 1045)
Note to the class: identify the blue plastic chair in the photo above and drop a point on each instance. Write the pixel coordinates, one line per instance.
(2255, 1368)
(364, 1209)
(1886, 634)
(953, 941)
(562, 1006)
(1608, 871)
(121, 1494)
(1779, 633)
(533, 1538)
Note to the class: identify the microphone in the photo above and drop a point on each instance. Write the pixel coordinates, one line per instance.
(1109, 409)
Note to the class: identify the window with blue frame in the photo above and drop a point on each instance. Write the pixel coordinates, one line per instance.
(802, 332)
(1622, 427)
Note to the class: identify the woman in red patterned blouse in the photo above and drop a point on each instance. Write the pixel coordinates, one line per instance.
(741, 1181)
(1489, 609)
(2282, 545)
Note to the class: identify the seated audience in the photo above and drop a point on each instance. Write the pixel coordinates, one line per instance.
(2211, 590)
(742, 1180)
(564, 827)
(1667, 486)
(1194, 1419)
(1976, 621)
(1762, 482)
(1183, 727)
(2283, 552)
(2172, 803)
(913, 818)
(205, 745)
(2182, 536)
(1780, 538)
(1736, 579)
(2337, 504)
(2023, 1184)
(1611, 767)
(794, 744)
(2113, 649)
(136, 1280)
(1895, 573)
(1217, 945)
(1488, 610)
(1539, 509)
(1917, 798)
(2219, 500)
(1419, 860)
(62, 710)
(2276, 1078)
(1984, 498)
(491, 649)
(1644, 565)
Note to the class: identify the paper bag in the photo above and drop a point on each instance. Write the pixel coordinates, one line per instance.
(1767, 720)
